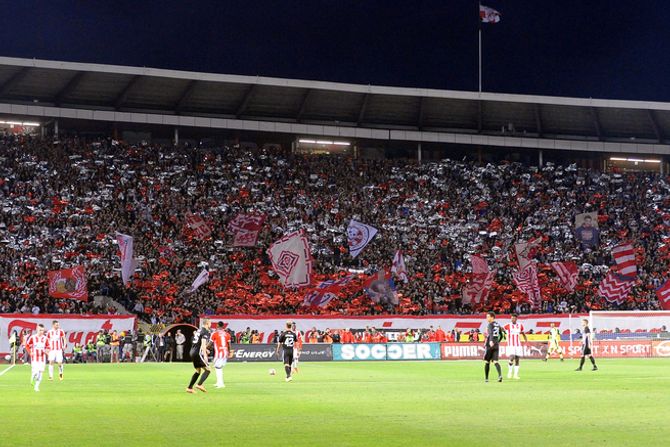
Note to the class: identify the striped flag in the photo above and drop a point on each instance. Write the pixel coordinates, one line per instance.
(624, 256)
(478, 288)
(527, 282)
(567, 273)
(615, 288)
(663, 294)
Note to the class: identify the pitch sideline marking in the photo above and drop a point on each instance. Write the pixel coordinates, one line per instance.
(6, 370)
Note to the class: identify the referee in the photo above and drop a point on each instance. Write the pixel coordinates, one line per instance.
(199, 355)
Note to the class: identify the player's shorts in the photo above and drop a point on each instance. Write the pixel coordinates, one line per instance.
(296, 359)
(37, 366)
(220, 362)
(554, 346)
(288, 356)
(55, 356)
(586, 350)
(491, 354)
(515, 351)
(198, 360)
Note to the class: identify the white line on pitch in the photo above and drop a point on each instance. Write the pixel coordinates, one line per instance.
(6, 370)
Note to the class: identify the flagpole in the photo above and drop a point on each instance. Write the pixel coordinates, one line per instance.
(480, 46)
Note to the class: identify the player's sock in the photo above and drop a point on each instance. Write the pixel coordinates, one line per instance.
(193, 380)
(516, 370)
(487, 367)
(219, 376)
(581, 362)
(203, 377)
(499, 369)
(287, 368)
(51, 371)
(593, 361)
(60, 369)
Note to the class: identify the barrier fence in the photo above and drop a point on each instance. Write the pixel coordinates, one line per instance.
(444, 351)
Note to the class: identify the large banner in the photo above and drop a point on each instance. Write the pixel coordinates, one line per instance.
(266, 325)
(472, 351)
(388, 351)
(631, 321)
(78, 328)
(268, 353)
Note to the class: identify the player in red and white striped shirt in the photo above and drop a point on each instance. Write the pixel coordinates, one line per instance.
(38, 347)
(221, 341)
(514, 349)
(56, 337)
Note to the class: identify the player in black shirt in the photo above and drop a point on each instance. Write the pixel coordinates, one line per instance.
(587, 340)
(199, 355)
(286, 341)
(494, 334)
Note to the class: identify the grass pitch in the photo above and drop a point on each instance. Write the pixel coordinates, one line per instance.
(404, 404)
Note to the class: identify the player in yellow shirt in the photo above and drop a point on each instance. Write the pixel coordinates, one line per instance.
(554, 342)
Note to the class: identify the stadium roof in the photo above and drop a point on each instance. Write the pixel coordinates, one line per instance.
(51, 89)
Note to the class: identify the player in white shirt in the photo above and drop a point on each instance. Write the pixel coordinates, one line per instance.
(514, 349)
(38, 347)
(56, 341)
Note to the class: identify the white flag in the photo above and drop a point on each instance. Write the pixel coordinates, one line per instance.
(128, 263)
(398, 268)
(202, 278)
(359, 235)
(488, 15)
(292, 260)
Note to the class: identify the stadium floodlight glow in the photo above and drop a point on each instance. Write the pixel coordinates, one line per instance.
(652, 161)
(635, 160)
(342, 143)
(618, 159)
(28, 123)
(15, 123)
(324, 142)
(307, 141)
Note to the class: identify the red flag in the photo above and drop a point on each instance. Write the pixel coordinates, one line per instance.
(246, 228)
(198, 225)
(663, 294)
(478, 288)
(615, 288)
(68, 283)
(567, 272)
(325, 292)
(624, 256)
(527, 282)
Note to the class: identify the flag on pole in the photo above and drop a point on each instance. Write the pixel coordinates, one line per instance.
(359, 235)
(292, 260)
(567, 272)
(201, 279)
(624, 256)
(615, 288)
(398, 268)
(488, 15)
(663, 294)
(325, 292)
(68, 283)
(128, 263)
(527, 282)
(477, 290)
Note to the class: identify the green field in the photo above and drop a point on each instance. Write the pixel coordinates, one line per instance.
(627, 402)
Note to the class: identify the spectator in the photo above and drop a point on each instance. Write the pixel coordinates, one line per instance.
(180, 339)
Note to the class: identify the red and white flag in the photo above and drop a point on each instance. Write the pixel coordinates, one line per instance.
(526, 281)
(398, 268)
(201, 279)
(68, 283)
(525, 251)
(488, 15)
(325, 292)
(624, 256)
(663, 294)
(246, 228)
(292, 260)
(567, 273)
(615, 288)
(477, 290)
(128, 263)
(198, 225)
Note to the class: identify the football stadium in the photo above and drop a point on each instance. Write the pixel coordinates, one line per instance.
(192, 257)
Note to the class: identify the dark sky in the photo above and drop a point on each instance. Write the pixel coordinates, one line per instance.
(587, 48)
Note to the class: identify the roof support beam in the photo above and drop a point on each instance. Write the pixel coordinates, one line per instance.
(245, 101)
(13, 80)
(596, 123)
(69, 87)
(305, 98)
(123, 96)
(538, 120)
(480, 118)
(363, 108)
(185, 95)
(419, 120)
(654, 124)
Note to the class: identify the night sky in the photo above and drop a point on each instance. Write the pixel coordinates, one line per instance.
(586, 48)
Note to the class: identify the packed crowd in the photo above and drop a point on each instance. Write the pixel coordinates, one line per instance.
(62, 203)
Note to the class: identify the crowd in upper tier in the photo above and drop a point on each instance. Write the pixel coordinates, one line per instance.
(62, 203)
